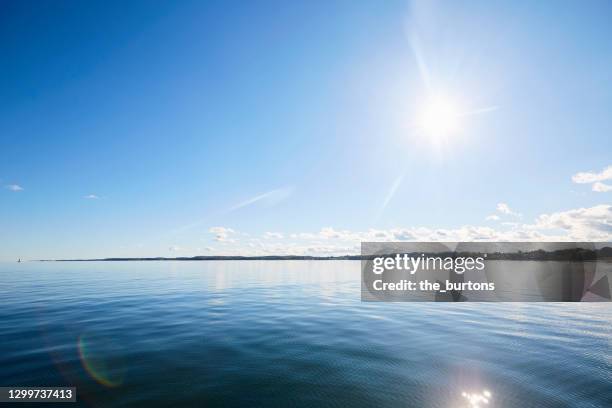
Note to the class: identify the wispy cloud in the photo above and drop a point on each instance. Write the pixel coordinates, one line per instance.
(14, 187)
(91, 197)
(492, 217)
(505, 209)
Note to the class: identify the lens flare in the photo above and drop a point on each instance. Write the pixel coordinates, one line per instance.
(101, 359)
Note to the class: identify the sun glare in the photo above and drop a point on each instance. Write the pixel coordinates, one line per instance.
(440, 117)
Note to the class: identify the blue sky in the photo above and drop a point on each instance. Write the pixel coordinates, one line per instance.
(191, 127)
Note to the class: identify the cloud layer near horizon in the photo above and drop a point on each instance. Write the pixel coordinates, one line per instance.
(582, 224)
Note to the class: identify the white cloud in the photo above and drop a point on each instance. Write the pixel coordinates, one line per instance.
(273, 235)
(492, 217)
(503, 208)
(594, 223)
(596, 179)
(330, 233)
(14, 187)
(592, 177)
(221, 230)
(175, 248)
(506, 210)
(222, 234)
(91, 197)
(601, 187)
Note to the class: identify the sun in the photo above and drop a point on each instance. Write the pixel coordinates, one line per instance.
(440, 117)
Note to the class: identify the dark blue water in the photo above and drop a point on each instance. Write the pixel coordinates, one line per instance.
(287, 334)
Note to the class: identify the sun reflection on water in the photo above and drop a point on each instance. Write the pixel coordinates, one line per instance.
(476, 400)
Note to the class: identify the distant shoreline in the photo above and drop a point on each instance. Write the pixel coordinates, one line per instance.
(576, 254)
(217, 258)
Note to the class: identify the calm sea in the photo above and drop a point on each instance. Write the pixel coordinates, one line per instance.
(287, 334)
